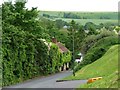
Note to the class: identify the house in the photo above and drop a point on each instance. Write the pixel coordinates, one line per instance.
(63, 50)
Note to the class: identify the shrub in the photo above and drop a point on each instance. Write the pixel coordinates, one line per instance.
(98, 50)
(89, 41)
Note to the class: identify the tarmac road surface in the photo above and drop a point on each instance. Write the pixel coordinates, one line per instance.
(50, 82)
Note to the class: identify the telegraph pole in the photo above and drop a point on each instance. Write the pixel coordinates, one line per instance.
(73, 37)
(73, 54)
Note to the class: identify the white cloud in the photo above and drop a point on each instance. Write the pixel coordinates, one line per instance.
(1, 1)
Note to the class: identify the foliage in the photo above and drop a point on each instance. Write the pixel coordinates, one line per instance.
(117, 29)
(55, 58)
(25, 54)
(17, 15)
(60, 23)
(98, 50)
(71, 15)
(91, 27)
(66, 57)
(89, 41)
(46, 15)
(79, 37)
(23, 58)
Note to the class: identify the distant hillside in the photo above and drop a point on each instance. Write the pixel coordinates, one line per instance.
(106, 67)
(80, 15)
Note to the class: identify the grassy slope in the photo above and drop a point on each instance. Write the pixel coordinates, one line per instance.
(106, 66)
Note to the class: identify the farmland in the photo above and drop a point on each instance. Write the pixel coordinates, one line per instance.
(82, 17)
(84, 21)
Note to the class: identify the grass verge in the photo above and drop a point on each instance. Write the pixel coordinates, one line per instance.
(106, 67)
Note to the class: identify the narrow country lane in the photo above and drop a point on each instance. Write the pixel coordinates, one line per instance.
(50, 82)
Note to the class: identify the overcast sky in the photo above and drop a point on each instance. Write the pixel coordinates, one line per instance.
(74, 5)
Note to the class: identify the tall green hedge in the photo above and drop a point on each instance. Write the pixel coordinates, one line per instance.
(24, 56)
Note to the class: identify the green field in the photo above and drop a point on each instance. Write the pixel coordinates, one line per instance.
(95, 17)
(96, 21)
(106, 67)
(90, 15)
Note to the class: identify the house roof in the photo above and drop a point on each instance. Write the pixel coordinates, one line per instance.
(61, 47)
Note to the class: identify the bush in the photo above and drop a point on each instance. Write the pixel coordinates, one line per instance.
(66, 57)
(98, 50)
(89, 41)
(94, 54)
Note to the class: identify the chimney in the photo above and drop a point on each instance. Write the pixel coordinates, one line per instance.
(54, 40)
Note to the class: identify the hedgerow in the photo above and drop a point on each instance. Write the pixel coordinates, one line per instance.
(24, 54)
(25, 57)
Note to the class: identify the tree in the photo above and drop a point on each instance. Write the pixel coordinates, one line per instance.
(16, 14)
(72, 38)
(46, 15)
(91, 27)
(60, 23)
(79, 37)
(71, 15)
(24, 54)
